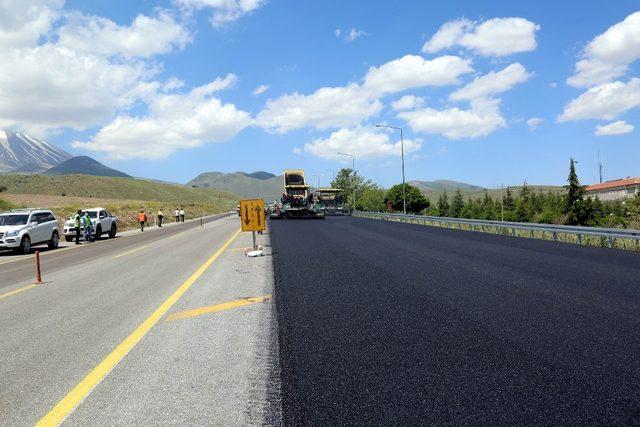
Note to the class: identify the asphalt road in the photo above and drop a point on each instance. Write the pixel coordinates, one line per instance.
(165, 327)
(397, 324)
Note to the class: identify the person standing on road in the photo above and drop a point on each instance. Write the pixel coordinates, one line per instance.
(142, 219)
(177, 213)
(76, 225)
(86, 227)
(181, 215)
(160, 217)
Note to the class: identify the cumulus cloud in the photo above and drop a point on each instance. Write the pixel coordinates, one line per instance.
(534, 122)
(174, 122)
(407, 102)
(609, 55)
(145, 37)
(362, 142)
(412, 71)
(495, 37)
(492, 83)
(346, 106)
(260, 90)
(606, 101)
(23, 22)
(224, 11)
(616, 128)
(325, 108)
(482, 119)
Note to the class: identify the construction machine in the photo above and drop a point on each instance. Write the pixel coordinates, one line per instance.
(297, 200)
(332, 201)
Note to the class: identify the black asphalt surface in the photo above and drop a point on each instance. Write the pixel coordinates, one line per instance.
(398, 324)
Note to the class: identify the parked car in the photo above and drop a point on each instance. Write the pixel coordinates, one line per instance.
(101, 222)
(20, 229)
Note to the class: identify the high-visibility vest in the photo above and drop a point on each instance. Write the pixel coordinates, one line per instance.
(76, 221)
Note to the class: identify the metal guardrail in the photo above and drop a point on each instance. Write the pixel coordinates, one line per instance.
(610, 234)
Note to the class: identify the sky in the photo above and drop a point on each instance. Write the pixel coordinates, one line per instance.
(486, 92)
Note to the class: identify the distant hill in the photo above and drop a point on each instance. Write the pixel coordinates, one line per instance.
(86, 166)
(433, 189)
(20, 153)
(443, 184)
(87, 186)
(263, 185)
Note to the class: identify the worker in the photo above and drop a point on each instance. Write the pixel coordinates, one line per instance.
(181, 215)
(160, 217)
(177, 213)
(86, 227)
(76, 225)
(142, 219)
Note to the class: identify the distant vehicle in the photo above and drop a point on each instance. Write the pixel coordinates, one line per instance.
(101, 222)
(238, 209)
(20, 229)
(332, 201)
(297, 201)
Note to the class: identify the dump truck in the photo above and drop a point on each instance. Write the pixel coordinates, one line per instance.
(297, 200)
(332, 201)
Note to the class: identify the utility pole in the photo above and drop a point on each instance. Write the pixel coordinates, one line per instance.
(600, 166)
(501, 202)
(404, 191)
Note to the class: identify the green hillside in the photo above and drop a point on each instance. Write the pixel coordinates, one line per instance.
(262, 185)
(86, 166)
(477, 192)
(113, 188)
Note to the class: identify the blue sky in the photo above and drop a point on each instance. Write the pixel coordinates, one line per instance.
(134, 107)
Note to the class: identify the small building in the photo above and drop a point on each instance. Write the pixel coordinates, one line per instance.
(618, 189)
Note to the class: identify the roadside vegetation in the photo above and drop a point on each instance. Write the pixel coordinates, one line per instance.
(521, 204)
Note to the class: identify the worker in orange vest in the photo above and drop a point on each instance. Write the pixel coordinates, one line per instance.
(142, 219)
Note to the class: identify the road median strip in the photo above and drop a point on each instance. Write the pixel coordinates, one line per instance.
(68, 404)
(17, 291)
(131, 251)
(217, 307)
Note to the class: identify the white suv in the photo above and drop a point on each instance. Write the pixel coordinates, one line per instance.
(20, 229)
(101, 222)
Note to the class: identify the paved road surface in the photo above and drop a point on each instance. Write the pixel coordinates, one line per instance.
(396, 324)
(209, 358)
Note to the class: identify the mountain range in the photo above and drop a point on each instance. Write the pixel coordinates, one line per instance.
(256, 185)
(20, 153)
(86, 166)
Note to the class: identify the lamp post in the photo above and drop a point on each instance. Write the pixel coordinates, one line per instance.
(353, 168)
(404, 191)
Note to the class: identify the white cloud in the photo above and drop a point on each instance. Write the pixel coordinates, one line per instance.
(260, 90)
(482, 119)
(495, 37)
(51, 87)
(616, 128)
(325, 108)
(22, 22)
(492, 83)
(296, 151)
(534, 122)
(224, 11)
(609, 55)
(174, 122)
(345, 106)
(606, 101)
(337, 32)
(413, 71)
(362, 142)
(407, 102)
(145, 37)
(354, 34)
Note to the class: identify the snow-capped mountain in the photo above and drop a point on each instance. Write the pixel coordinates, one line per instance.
(22, 153)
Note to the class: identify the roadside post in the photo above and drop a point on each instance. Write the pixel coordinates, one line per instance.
(38, 273)
(252, 217)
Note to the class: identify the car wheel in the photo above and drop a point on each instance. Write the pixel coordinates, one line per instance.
(98, 232)
(25, 245)
(68, 238)
(113, 231)
(55, 241)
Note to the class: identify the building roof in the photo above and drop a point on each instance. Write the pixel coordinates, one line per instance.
(616, 183)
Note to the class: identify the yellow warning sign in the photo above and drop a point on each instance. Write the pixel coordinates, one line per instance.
(252, 215)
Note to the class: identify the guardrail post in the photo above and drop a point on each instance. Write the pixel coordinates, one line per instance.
(579, 236)
(532, 235)
(611, 241)
(513, 231)
(555, 236)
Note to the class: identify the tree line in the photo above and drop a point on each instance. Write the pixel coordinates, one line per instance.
(523, 204)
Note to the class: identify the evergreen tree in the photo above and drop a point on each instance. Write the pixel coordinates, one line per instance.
(457, 204)
(443, 204)
(573, 199)
(416, 202)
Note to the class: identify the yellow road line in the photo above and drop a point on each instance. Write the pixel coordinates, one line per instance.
(17, 291)
(218, 307)
(131, 251)
(62, 410)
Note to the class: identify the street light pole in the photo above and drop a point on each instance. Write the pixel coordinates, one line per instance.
(353, 168)
(404, 186)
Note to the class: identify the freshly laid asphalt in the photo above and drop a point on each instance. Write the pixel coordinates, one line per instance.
(397, 324)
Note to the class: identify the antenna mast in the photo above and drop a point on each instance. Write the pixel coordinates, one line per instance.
(600, 166)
